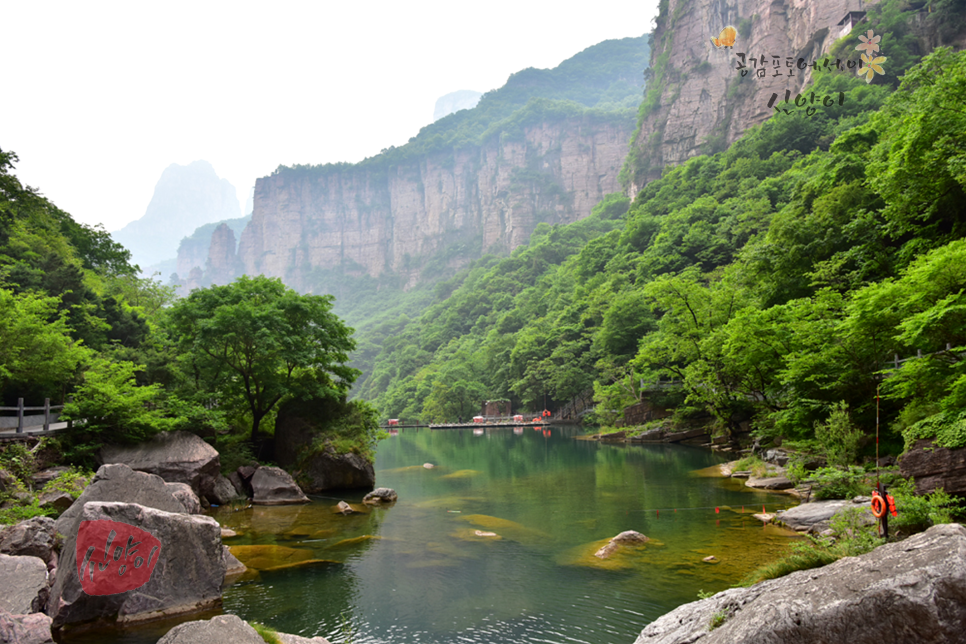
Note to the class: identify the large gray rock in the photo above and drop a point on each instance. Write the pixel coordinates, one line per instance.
(330, 471)
(187, 577)
(910, 591)
(815, 517)
(770, 483)
(24, 629)
(177, 457)
(119, 483)
(24, 583)
(33, 538)
(934, 467)
(187, 496)
(274, 486)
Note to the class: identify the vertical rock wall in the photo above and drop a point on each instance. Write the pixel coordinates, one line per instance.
(374, 218)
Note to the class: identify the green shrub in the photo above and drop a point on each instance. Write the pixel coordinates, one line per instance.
(234, 451)
(18, 513)
(835, 483)
(17, 459)
(752, 463)
(839, 437)
(72, 482)
(915, 511)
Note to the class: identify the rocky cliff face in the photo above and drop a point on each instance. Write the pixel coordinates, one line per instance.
(374, 219)
(185, 197)
(703, 103)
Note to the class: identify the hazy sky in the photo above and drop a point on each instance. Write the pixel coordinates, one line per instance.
(99, 98)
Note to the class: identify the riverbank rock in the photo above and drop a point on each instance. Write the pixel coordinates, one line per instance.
(187, 577)
(24, 584)
(43, 477)
(274, 486)
(934, 467)
(330, 471)
(58, 500)
(177, 457)
(769, 483)
(33, 628)
(910, 591)
(34, 537)
(119, 483)
(222, 491)
(628, 537)
(227, 629)
(815, 517)
(380, 495)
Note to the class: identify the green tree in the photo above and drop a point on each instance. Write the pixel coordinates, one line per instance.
(255, 341)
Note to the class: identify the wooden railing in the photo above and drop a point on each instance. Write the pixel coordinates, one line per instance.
(21, 421)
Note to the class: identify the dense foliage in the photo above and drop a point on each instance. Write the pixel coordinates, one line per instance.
(776, 282)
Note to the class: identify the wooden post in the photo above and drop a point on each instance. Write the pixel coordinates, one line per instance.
(46, 414)
(20, 415)
(896, 359)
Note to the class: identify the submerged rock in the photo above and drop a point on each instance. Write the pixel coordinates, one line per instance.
(275, 486)
(343, 508)
(628, 537)
(381, 495)
(187, 576)
(910, 591)
(177, 457)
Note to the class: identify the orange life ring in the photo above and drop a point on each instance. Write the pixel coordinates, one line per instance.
(879, 506)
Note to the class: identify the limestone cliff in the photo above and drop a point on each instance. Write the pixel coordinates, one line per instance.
(701, 103)
(378, 218)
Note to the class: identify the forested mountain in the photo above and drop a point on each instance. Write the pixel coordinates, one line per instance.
(775, 279)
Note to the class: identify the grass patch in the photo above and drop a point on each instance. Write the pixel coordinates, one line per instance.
(267, 633)
(718, 619)
(752, 463)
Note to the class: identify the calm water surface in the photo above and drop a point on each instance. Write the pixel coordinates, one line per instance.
(427, 569)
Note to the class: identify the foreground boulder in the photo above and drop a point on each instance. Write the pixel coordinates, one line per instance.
(296, 432)
(177, 457)
(910, 591)
(24, 584)
(274, 486)
(33, 628)
(187, 496)
(935, 467)
(119, 483)
(227, 629)
(187, 576)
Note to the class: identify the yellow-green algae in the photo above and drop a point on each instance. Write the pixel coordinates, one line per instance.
(462, 474)
(508, 529)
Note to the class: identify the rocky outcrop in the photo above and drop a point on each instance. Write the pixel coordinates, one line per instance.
(296, 437)
(374, 218)
(24, 584)
(177, 457)
(705, 104)
(187, 577)
(119, 483)
(185, 197)
(274, 486)
(221, 263)
(815, 517)
(935, 467)
(226, 629)
(910, 591)
(33, 628)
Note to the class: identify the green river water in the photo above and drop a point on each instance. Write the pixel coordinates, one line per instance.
(429, 570)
